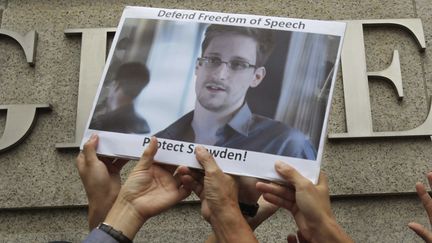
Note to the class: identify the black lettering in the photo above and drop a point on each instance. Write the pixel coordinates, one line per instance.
(239, 155)
(190, 149)
(215, 153)
(178, 147)
(169, 146)
(223, 154)
(201, 15)
(146, 141)
(161, 13)
(302, 25)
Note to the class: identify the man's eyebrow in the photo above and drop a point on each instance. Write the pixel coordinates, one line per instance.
(213, 54)
(239, 58)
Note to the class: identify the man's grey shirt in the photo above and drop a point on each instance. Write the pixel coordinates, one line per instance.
(250, 132)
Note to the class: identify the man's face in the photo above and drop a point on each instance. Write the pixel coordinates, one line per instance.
(221, 88)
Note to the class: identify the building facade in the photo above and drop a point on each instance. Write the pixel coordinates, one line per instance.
(374, 154)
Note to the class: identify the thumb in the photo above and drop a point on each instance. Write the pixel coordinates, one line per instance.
(146, 159)
(290, 174)
(206, 160)
(89, 149)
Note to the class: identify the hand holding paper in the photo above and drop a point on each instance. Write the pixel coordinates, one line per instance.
(148, 191)
(101, 180)
(219, 199)
(308, 203)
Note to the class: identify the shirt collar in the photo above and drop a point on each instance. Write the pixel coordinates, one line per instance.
(241, 120)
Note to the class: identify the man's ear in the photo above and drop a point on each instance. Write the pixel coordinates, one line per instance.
(258, 76)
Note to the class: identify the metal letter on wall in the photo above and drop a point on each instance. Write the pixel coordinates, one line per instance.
(355, 80)
(27, 42)
(93, 55)
(20, 118)
(19, 122)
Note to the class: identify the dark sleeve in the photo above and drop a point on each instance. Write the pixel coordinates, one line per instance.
(99, 236)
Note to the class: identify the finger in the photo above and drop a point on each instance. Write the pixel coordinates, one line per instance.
(190, 183)
(177, 178)
(187, 181)
(114, 165)
(425, 199)
(322, 185)
(421, 231)
(429, 177)
(291, 238)
(146, 159)
(280, 191)
(80, 160)
(184, 192)
(89, 149)
(322, 180)
(197, 175)
(290, 174)
(206, 160)
(278, 201)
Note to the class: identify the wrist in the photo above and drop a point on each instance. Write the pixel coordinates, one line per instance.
(230, 226)
(123, 217)
(101, 204)
(329, 231)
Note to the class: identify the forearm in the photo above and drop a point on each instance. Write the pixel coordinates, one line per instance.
(230, 226)
(330, 232)
(98, 209)
(96, 215)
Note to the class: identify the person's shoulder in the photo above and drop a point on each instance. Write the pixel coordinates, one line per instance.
(122, 120)
(176, 128)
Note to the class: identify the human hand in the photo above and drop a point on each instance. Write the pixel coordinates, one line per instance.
(218, 193)
(426, 200)
(101, 179)
(308, 203)
(149, 190)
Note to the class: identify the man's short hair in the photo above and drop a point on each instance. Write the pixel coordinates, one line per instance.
(263, 37)
(132, 77)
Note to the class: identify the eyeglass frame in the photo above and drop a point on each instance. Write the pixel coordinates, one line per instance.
(228, 63)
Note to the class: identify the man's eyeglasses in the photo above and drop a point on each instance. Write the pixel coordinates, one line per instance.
(215, 62)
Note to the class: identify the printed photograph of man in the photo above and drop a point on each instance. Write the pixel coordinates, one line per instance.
(116, 113)
(232, 62)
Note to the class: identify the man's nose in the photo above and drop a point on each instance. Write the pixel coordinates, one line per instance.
(222, 72)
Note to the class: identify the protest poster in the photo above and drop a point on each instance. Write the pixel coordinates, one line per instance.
(251, 89)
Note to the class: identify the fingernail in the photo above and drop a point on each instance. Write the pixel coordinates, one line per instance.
(93, 136)
(279, 164)
(199, 148)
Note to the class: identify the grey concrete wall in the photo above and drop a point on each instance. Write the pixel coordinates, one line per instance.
(34, 177)
(381, 219)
